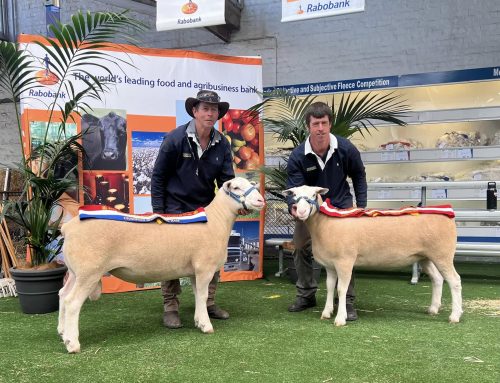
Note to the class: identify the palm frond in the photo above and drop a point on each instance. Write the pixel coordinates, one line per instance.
(17, 76)
(76, 53)
(276, 177)
(357, 113)
(16, 70)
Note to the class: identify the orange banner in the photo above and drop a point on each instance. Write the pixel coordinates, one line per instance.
(147, 100)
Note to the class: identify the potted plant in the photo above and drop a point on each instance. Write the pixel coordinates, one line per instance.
(50, 169)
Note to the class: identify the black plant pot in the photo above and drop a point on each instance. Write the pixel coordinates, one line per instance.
(38, 289)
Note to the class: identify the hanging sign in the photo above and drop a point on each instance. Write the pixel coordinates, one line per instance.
(182, 14)
(295, 10)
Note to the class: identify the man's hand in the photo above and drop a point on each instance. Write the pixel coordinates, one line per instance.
(243, 212)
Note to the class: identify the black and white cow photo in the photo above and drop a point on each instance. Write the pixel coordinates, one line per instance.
(104, 141)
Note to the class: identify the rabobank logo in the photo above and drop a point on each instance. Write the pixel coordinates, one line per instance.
(327, 6)
(189, 8)
(299, 11)
(293, 10)
(45, 76)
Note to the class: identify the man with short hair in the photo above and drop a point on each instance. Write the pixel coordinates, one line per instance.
(192, 158)
(324, 160)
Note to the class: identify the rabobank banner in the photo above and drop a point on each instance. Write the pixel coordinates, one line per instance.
(179, 14)
(124, 130)
(295, 10)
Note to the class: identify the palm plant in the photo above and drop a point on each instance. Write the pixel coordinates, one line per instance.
(75, 52)
(355, 113)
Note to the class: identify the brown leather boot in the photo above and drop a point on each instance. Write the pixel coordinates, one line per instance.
(171, 319)
(215, 312)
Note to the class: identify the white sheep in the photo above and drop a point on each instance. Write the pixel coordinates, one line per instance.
(339, 244)
(149, 252)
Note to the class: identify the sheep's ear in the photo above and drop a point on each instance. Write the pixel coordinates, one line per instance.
(288, 192)
(226, 185)
(322, 191)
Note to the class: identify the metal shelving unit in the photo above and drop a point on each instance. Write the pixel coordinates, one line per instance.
(431, 155)
(438, 191)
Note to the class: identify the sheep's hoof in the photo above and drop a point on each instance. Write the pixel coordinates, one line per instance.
(207, 329)
(339, 322)
(433, 310)
(454, 319)
(326, 315)
(72, 347)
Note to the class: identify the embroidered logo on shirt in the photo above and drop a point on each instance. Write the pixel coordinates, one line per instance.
(311, 169)
(186, 155)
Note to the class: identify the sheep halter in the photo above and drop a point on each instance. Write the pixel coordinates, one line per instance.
(241, 198)
(310, 201)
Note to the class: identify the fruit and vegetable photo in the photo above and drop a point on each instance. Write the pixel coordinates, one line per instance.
(241, 129)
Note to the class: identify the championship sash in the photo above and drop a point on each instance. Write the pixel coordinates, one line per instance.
(104, 212)
(330, 210)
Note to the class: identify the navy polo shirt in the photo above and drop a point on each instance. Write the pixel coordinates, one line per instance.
(343, 160)
(183, 180)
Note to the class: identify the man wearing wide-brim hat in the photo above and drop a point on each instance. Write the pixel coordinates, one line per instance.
(191, 159)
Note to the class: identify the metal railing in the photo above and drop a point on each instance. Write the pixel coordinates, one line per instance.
(278, 222)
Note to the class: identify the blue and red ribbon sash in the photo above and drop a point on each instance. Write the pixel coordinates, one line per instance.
(104, 212)
(330, 210)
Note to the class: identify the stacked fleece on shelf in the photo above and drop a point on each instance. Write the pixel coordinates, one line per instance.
(461, 139)
(404, 144)
(401, 145)
(495, 139)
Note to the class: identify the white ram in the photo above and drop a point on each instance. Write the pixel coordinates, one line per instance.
(339, 244)
(140, 253)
